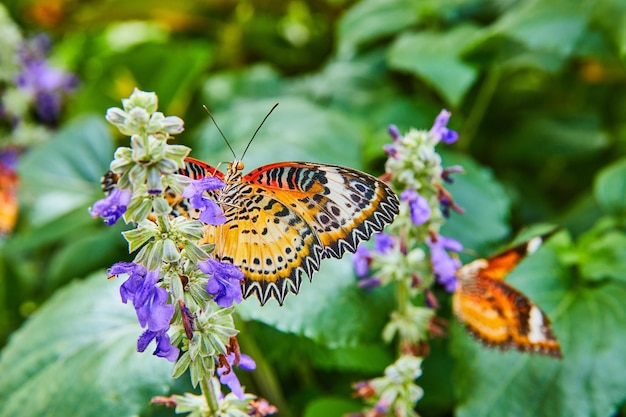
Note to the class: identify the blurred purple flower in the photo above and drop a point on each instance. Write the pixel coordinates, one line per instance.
(227, 373)
(394, 132)
(361, 260)
(112, 207)
(444, 265)
(210, 211)
(418, 206)
(383, 243)
(164, 348)
(45, 84)
(446, 175)
(440, 131)
(9, 158)
(224, 283)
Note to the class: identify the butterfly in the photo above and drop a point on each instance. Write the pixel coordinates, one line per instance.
(496, 313)
(282, 219)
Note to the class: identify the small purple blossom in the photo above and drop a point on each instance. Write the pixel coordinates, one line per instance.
(164, 348)
(444, 265)
(112, 207)
(224, 283)
(440, 130)
(369, 283)
(150, 305)
(210, 211)
(227, 373)
(383, 243)
(9, 158)
(418, 206)
(361, 260)
(394, 132)
(446, 175)
(390, 150)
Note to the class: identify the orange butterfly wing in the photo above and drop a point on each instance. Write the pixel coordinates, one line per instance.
(284, 218)
(498, 314)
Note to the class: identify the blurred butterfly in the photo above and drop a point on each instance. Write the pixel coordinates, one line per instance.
(498, 314)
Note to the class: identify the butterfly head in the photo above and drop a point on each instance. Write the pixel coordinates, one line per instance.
(234, 170)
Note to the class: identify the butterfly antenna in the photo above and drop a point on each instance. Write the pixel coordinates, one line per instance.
(220, 130)
(257, 130)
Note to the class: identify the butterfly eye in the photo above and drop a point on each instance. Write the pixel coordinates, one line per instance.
(239, 165)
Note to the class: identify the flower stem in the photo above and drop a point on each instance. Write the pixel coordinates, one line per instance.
(209, 394)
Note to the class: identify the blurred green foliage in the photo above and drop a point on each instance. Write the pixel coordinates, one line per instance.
(537, 93)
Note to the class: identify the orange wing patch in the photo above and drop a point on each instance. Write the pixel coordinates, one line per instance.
(496, 313)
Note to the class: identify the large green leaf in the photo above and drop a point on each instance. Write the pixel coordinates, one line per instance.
(77, 356)
(485, 201)
(331, 407)
(610, 188)
(436, 59)
(297, 130)
(62, 173)
(590, 323)
(553, 26)
(331, 310)
(372, 19)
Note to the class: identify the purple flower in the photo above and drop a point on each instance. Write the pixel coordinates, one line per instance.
(112, 207)
(440, 131)
(369, 283)
(394, 132)
(227, 374)
(361, 261)
(164, 348)
(444, 265)
(418, 206)
(390, 150)
(224, 283)
(446, 175)
(210, 211)
(150, 305)
(44, 83)
(9, 158)
(383, 243)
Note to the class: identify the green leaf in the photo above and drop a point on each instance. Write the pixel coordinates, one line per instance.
(331, 407)
(62, 173)
(590, 323)
(370, 20)
(77, 356)
(297, 130)
(609, 188)
(553, 26)
(436, 59)
(600, 252)
(485, 201)
(331, 310)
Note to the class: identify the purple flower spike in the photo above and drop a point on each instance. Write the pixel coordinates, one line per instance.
(210, 211)
(227, 373)
(9, 158)
(444, 265)
(418, 206)
(361, 261)
(225, 282)
(369, 283)
(390, 150)
(440, 130)
(164, 347)
(112, 207)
